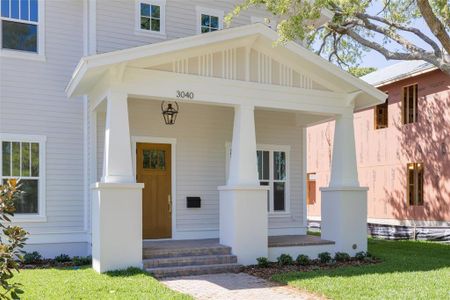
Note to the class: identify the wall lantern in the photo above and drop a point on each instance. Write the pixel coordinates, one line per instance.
(169, 111)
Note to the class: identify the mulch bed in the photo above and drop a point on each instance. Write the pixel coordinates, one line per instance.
(274, 268)
(49, 263)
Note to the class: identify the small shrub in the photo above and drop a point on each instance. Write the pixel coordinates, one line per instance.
(303, 260)
(62, 258)
(263, 262)
(32, 258)
(341, 256)
(361, 255)
(82, 260)
(285, 259)
(325, 257)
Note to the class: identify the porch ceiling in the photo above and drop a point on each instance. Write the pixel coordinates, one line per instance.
(245, 54)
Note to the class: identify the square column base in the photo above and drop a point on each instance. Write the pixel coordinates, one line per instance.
(116, 226)
(344, 218)
(243, 221)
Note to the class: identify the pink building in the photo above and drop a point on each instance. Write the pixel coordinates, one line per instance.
(403, 154)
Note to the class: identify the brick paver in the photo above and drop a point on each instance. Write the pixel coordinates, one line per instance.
(233, 286)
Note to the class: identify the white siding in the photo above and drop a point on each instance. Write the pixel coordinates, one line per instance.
(202, 132)
(116, 21)
(33, 101)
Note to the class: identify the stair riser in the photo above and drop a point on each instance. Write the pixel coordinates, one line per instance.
(150, 253)
(190, 261)
(177, 273)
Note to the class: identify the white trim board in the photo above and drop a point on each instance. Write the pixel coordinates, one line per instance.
(173, 143)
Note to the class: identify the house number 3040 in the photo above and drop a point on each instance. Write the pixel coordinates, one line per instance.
(185, 94)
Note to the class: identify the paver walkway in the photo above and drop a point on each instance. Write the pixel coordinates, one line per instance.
(234, 286)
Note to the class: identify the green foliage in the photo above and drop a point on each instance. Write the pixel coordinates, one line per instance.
(343, 31)
(82, 260)
(361, 71)
(361, 255)
(325, 257)
(32, 258)
(11, 242)
(303, 260)
(342, 256)
(263, 262)
(285, 259)
(62, 258)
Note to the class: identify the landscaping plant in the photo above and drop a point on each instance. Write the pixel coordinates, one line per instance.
(263, 262)
(303, 260)
(62, 258)
(285, 259)
(12, 240)
(341, 256)
(325, 257)
(32, 258)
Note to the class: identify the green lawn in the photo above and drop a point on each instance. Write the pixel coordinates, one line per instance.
(85, 283)
(410, 270)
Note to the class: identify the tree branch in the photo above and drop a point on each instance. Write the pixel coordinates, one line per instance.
(437, 28)
(417, 32)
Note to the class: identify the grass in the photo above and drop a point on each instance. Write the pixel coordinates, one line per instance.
(85, 283)
(410, 270)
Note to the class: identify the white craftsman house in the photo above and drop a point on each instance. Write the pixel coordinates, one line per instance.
(176, 139)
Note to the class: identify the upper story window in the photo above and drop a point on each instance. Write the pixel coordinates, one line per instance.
(21, 26)
(415, 183)
(410, 104)
(150, 16)
(381, 115)
(23, 157)
(209, 20)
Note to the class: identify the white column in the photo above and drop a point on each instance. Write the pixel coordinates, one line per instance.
(117, 200)
(243, 202)
(117, 165)
(344, 170)
(344, 202)
(243, 165)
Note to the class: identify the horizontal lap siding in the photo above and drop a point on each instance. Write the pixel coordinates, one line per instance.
(32, 101)
(202, 132)
(116, 21)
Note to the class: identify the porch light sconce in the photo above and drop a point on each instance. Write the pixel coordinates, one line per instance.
(169, 110)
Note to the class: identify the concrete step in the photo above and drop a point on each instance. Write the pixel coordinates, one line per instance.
(150, 253)
(189, 261)
(165, 272)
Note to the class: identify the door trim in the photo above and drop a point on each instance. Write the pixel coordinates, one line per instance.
(173, 143)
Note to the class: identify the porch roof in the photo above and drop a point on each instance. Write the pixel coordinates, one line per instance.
(92, 69)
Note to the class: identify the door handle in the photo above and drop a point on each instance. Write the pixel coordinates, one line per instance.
(169, 203)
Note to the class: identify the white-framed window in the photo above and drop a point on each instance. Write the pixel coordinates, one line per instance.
(23, 157)
(266, 21)
(273, 171)
(209, 19)
(151, 17)
(22, 28)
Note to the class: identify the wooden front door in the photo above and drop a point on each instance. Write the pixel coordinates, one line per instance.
(154, 170)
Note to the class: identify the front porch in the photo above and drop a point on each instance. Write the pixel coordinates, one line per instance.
(235, 75)
(167, 258)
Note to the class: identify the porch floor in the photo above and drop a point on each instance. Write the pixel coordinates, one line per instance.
(274, 241)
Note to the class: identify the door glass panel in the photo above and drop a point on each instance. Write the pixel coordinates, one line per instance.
(279, 165)
(278, 196)
(154, 159)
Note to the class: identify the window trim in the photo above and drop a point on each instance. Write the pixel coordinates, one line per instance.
(40, 54)
(418, 190)
(386, 107)
(207, 11)
(162, 17)
(41, 140)
(271, 148)
(416, 104)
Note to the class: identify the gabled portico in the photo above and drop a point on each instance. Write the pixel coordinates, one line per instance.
(238, 69)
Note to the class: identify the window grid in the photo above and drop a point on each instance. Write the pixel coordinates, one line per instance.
(31, 6)
(415, 184)
(152, 18)
(209, 23)
(410, 104)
